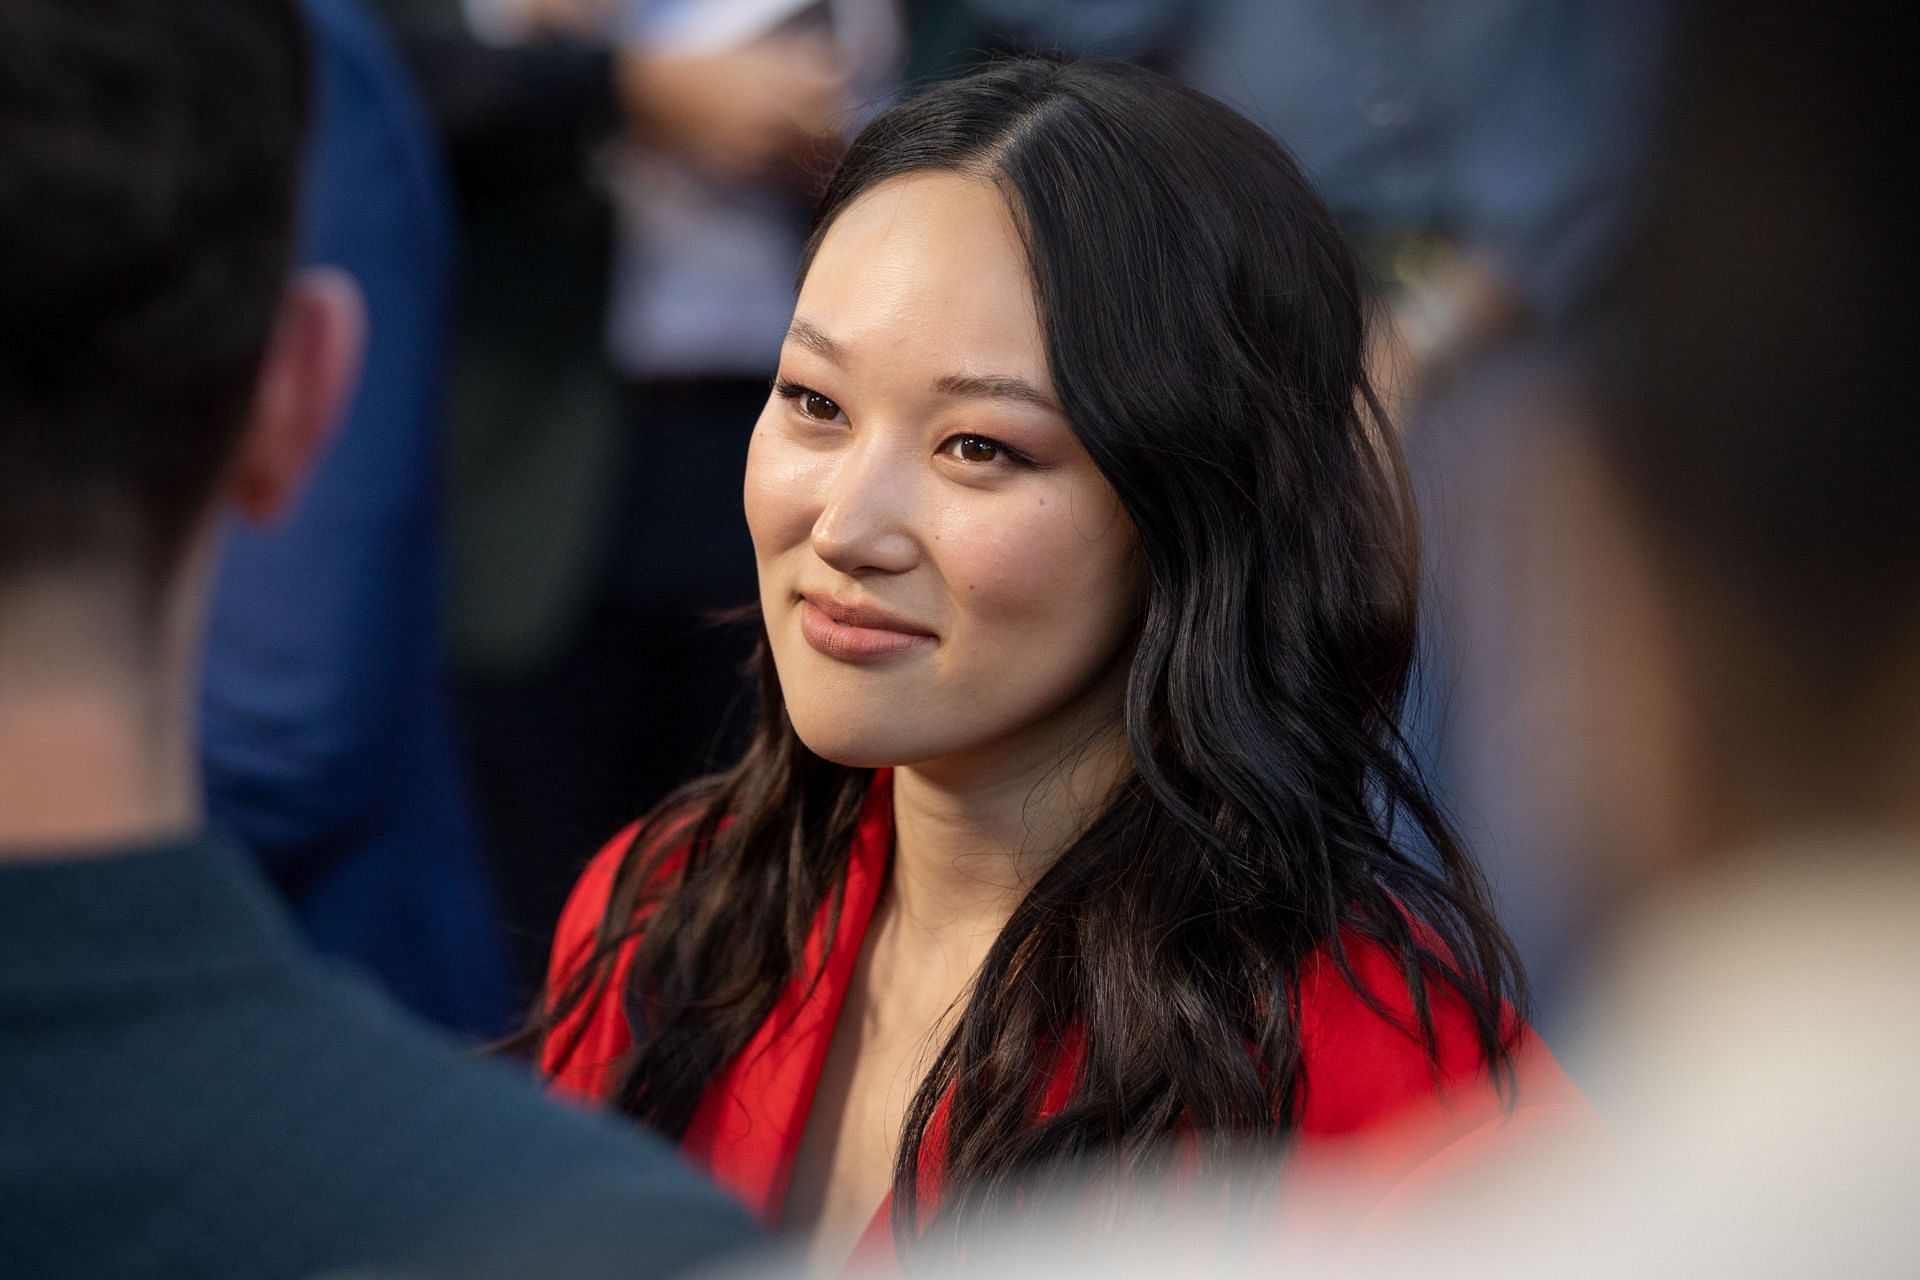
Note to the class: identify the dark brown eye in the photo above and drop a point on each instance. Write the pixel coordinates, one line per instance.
(815, 405)
(976, 449)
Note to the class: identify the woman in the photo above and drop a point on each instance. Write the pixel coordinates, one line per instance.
(1072, 827)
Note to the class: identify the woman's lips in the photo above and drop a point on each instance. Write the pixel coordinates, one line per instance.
(851, 642)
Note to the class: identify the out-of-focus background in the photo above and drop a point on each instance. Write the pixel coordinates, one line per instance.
(488, 640)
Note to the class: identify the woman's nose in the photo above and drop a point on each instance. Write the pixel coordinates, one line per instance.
(866, 522)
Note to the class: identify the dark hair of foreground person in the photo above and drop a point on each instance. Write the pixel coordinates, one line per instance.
(145, 236)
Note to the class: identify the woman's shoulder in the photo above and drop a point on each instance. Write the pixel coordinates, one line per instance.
(1364, 1058)
(1388, 1126)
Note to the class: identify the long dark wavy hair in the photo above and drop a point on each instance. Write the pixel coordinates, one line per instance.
(1204, 327)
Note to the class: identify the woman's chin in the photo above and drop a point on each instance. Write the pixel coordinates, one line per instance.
(853, 758)
(856, 746)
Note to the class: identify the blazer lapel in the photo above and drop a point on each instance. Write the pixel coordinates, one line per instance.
(747, 1129)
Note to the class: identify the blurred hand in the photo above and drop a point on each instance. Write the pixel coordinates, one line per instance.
(1435, 323)
(766, 110)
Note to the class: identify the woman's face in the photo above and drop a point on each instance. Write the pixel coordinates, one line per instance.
(945, 574)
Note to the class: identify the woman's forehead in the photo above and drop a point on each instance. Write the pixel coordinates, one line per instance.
(927, 266)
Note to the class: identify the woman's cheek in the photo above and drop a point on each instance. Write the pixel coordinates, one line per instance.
(781, 491)
(1013, 564)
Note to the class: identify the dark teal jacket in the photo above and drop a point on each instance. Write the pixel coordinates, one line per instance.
(187, 1092)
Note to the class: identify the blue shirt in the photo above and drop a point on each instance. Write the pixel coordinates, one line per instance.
(326, 738)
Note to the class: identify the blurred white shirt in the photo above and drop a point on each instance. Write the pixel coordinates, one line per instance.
(704, 269)
(1753, 1042)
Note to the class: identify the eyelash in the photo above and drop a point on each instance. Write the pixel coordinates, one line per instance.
(795, 392)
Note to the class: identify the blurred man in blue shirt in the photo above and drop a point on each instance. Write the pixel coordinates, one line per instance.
(326, 739)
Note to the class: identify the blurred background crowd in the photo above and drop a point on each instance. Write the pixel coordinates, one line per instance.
(495, 631)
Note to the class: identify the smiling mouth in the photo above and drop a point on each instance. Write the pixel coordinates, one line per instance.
(855, 635)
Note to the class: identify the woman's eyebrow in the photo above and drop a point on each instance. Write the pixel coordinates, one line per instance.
(814, 338)
(995, 387)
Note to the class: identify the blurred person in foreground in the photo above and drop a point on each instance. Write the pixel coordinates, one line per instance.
(1075, 823)
(326, 740)
(185, 1091)
(1731, 523)
(1728, 525)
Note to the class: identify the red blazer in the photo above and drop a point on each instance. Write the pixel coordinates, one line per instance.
(1372, 1097)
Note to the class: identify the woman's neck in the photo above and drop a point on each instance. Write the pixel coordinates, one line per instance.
(969, 842)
